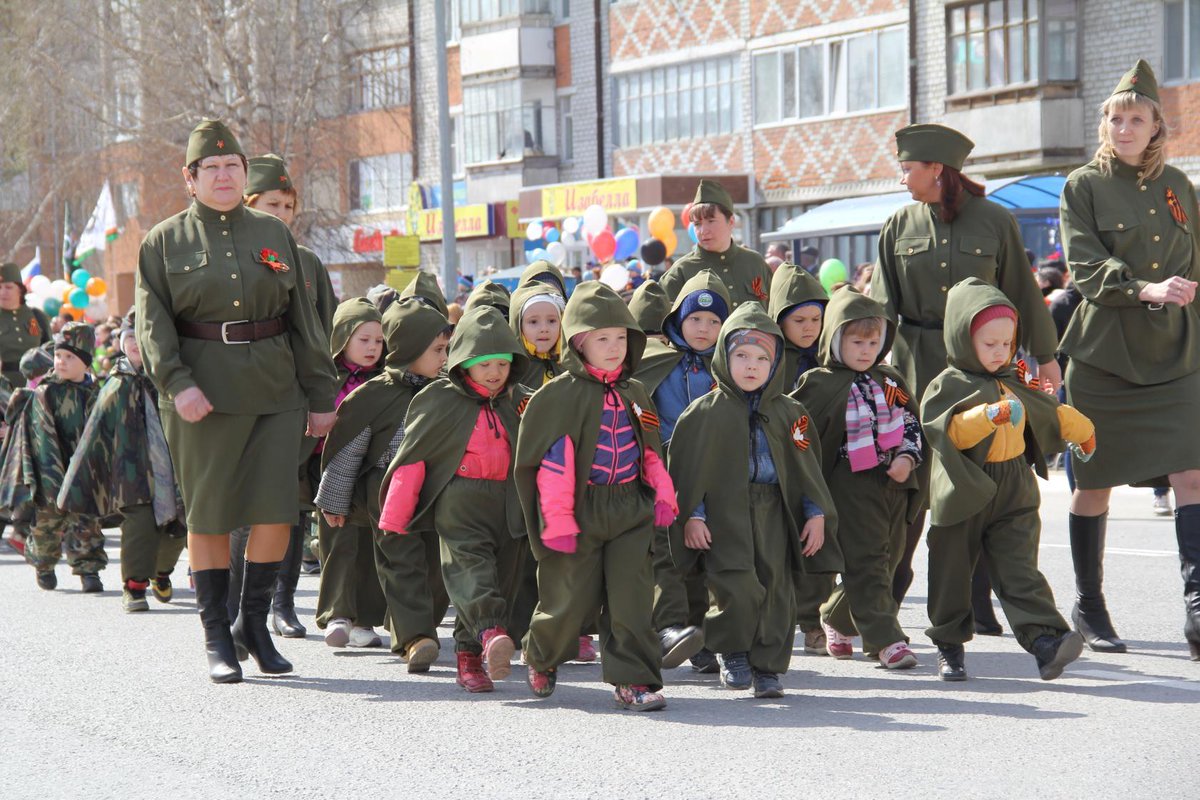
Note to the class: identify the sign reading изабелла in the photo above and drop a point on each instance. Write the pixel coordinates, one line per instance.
(570, 200)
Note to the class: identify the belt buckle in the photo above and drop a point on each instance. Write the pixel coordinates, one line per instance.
(1154, 306)
(225, 331)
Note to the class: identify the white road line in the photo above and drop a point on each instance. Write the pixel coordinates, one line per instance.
(1131, 678)
(1125, 551)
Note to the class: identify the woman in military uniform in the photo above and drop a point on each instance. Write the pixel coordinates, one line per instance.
(1130, 236)
(952, 232)
(21, 327)
(231, 338)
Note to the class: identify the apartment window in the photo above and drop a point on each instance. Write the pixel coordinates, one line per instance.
(567, 128)
(379, 79)
(1183, 40)
(499, 125)
(128, 197)
(857, 73)
(453, 20)
(126, 108)
(486, 10)
(999, 43)
(680, 101)
(380, 183)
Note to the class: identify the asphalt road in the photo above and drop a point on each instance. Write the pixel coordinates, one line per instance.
(97, 704)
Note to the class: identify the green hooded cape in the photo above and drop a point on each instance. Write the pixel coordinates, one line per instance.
(660, 358)
(825, 390)
(442, 416)
(710, 461)
(540, 369)
(571, 404)
(650, 306)
(425, 288)
(791, 286)
(409, 327)
(544, 273)
(959, 486)
(489, 293)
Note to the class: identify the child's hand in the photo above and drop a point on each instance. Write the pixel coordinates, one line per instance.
(1084, 450)
(1009, 410)
(334, 520)
(901, 468)
(664, 514)
(696, 535)
(813, 536)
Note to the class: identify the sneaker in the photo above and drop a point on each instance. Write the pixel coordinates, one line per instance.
(705, 662)
(814, 642)
(897, 656)
(337, 633)
(498, 649)
(766, 684)
(542, 683)
(470, 673)
(47, 580)
(638, 698)
(133, 596)
(587, 650)
(735, 670)
(310, 567)
(1053, 653)
(161, 586)
(362, 637)
(679, 643)
(90, 584)
(838, 644)
(420, 654)
(1162, 505)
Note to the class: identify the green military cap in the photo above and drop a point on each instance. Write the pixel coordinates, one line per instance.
(714, 193)
(78, 338)
(929, 142)
(35, 363)
(266, 173)
(10, 273)
(212, 138)
(1141, 80)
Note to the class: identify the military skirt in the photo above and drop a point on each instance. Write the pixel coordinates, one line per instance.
(1143, 432)
(236, 469)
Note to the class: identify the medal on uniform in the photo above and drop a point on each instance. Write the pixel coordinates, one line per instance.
(1023, 374)
(756, 287)
(893, 395)
(800, 433)
(647, 419)
(34, 328)
(1176, 207)
(271, 259)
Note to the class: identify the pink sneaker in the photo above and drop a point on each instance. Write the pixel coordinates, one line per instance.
(838, 644)
(897, 656)
(638, 698)
(498, 651)
(587, 649)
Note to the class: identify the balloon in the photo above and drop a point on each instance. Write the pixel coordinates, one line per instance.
(51, 306)
(595, 219)
(832, 271)
(604, 245)
(97, 309)
(64, 295)
(686, 216)
(552, 235)
(533, 231)
(80, 277)
(556, 252)
(40, 284)
(96, 287)
(79, 298)
(76, 313)
(571, 225)
(691, 228)
(537, 254)
(654, 252)
(661, 221)
(615, 277)
(627, 244)
(670, 242)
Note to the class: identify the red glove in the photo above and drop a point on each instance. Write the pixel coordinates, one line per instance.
(560, 534)
(664, 514)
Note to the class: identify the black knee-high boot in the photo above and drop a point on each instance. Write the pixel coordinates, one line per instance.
(212, 588)
(1187, 532)
(982, 609)
(1090, 614)
(250, 633)
(283, 607)
(238, 539)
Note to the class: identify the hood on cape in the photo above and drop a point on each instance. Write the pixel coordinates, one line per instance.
(483, 331)
(346, 319)
(966, 299)
(791, 286)
(491, 294)
(749, 316)
(425, 288)
(847, 305)
(544, 273)
(409, 327)
(594, 305)
(649, 306)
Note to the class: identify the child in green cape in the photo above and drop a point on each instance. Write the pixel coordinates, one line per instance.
(759, 511)
(593, 488)
(454, 472)
(363, 442)
(987, 422)
(15, 499)
(867, 420)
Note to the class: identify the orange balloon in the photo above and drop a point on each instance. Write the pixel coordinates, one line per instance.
(76, 313)
(96, 287)
(662, 222)
(669, 241)
(66, 295)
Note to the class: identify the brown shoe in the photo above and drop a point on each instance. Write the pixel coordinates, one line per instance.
(498, 649)
(420, 654)
(814, 642)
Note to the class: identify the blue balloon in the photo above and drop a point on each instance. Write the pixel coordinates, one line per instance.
(537, 254)
(79, 298)
(692, 232)
(552, 235)
(80, 277)
(628, 241)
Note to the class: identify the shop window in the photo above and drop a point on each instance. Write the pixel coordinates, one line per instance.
(380, 183)
(679, 101)
(995, 44)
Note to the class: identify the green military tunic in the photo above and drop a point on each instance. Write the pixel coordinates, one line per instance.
(209, 266)
(320, 287)
(20, 330)
(1135, 367)
(743, 271)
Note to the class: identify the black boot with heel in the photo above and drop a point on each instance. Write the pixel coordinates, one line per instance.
(250, 630)
(212, 590)
(1090, 614)
(283, 607)
(1187, 532)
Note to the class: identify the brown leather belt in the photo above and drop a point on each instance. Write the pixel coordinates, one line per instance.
(242, 331)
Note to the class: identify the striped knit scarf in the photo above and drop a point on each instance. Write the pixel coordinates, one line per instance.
(865, 430)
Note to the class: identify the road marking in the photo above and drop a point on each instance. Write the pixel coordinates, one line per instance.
(1125, 551)
(1131, 678)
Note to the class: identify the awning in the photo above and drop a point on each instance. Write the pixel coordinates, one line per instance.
(868, 214)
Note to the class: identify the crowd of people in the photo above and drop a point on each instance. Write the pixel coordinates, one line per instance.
(693, 472)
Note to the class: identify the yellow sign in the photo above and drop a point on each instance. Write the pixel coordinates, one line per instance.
(570, 200)
(401, 251)
(399, 279)
(469, 222)
(512, 220)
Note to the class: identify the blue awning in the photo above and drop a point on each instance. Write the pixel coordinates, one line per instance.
(868, 214)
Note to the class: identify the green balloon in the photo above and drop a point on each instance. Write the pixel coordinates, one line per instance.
(832, 271)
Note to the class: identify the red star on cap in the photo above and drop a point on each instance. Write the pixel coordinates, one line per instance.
(220, 144)
(283, 179)
(1133, 79)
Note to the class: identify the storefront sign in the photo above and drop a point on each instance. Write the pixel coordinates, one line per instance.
(512, 220)
(470, 222)
(370, 240)
(399, 279)
(401, 251)
(570, 200)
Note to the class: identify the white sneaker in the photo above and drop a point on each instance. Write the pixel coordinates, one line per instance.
(337, 633)
(1162, 505)
(364, 637)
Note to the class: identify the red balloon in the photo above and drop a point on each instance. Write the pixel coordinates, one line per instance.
(603, 246)
(685, 216)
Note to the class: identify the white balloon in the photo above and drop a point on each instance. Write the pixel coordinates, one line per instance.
(595, 219)
(59, 286)
(97, 309)
(616, 277)
(571, 225)
(39, 284)
(534, 231)
(557, 252)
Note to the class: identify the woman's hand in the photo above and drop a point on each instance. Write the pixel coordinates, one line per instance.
(192, 405)
(1050, 376)
(320, 424)
(334, 520)
(1177, 290)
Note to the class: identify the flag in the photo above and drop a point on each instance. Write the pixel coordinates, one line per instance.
(101, 227)
(34, 267)
(68, 249)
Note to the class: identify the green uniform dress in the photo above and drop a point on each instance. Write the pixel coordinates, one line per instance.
(478, 521)
(743, 271)
(873, 510)
(1135, 367)
(755, 526)
(977, 506)
(365, 438)
(209, 266)
(20, 330)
